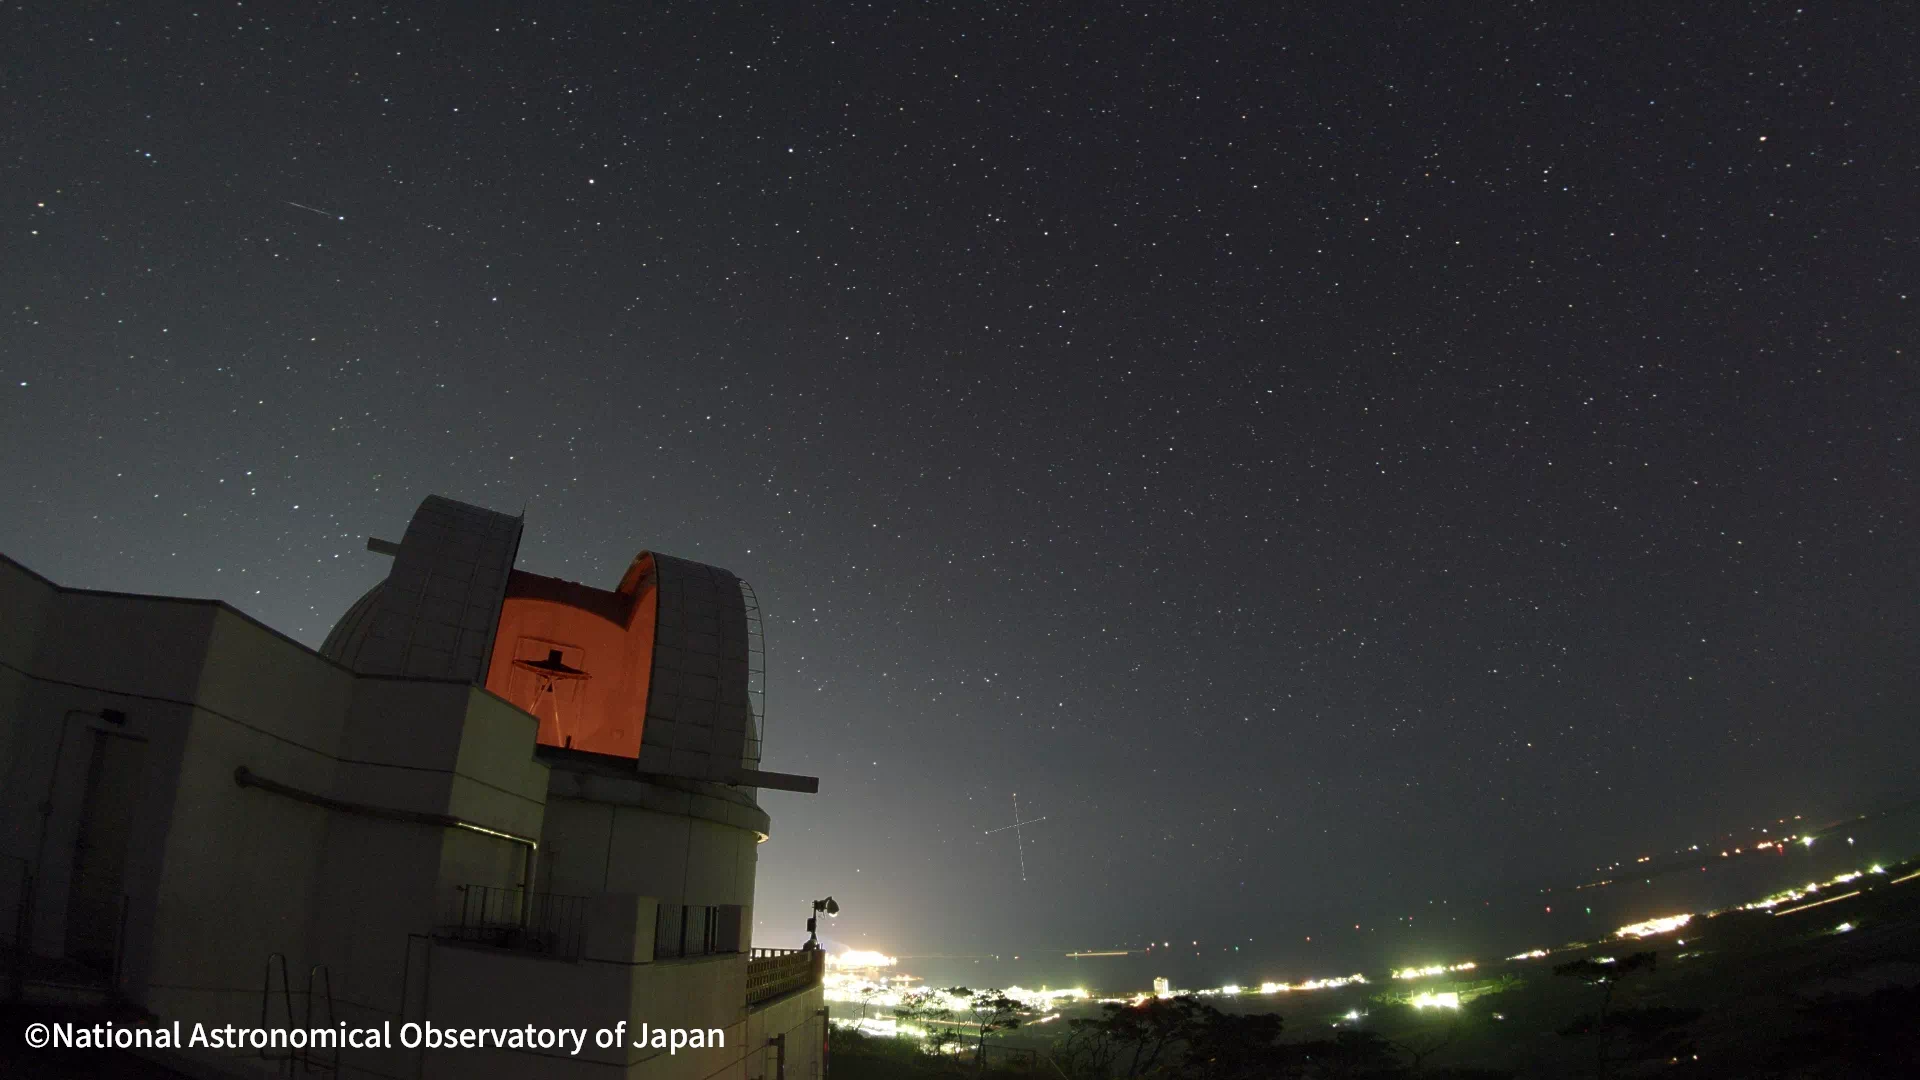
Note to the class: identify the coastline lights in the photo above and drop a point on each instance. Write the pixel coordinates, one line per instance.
(1311, 984)
(843, 988)
(860, 958)
(1534, 955)
(1436, 969)
(1651, 927)
(1045, 999)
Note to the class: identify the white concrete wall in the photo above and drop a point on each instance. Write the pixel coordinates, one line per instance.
(800, 1017)
(241, 867)
(138, 655)
(667, 851)
(441, 748)
(221, 876)
(26, 599)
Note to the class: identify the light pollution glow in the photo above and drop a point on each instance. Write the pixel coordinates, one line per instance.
(1436, 969)
(843, 986)
(859, 958)
(1651, 927)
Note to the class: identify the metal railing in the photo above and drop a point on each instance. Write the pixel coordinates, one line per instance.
(774, 972)
(504, 918)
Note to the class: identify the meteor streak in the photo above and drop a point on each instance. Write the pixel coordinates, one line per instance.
(315, 210)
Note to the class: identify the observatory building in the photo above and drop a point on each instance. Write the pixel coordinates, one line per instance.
(491, 800)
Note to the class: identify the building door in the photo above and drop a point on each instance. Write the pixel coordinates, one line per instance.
(114, 777)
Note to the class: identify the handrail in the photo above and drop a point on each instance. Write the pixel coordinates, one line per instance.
(769, 977)
(514, 918)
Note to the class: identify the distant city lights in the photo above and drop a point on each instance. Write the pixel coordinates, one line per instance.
(860, 977)
(1311, 984)
(859, 958)
(1652, 927)
(1436, 969)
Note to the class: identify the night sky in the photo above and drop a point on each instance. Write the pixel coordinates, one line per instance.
(1320, 461)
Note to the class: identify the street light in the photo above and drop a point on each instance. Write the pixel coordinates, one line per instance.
(813, 921)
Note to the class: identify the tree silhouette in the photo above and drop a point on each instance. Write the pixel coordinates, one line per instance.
(1607, 976)
(1181, 1037)
(928, 1009)
(1223, 1046)
(993, 1011)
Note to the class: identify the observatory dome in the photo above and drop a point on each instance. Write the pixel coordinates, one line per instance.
(664, 669)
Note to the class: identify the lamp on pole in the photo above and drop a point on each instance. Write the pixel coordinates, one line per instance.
(827, 906)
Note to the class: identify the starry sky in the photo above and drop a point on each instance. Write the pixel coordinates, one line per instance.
(1316, 459)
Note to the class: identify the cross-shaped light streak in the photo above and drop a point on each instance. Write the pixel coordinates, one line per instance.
(1019, 841)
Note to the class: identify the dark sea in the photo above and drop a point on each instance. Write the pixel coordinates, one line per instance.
(1668, 886)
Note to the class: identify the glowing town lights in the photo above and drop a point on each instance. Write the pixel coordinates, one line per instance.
(1817, 903)
(1876, 868)
(847, 988)
(1807, 840)
(1436, 969)
(1229, 990)
(886, 1027)
(1448, 1000)
(1044, 999)
(1534, 955)
(859, 958)
(1843, 928)
(1844, 878)
(1312, 984)
(1654, 926)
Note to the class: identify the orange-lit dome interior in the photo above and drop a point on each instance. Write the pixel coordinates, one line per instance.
(579, 658)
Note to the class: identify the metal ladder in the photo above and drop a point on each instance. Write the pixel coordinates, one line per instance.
(318, 1059)
(310, 1059)
(267, 1053)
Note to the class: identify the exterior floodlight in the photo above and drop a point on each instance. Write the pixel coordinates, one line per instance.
(831, 909)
